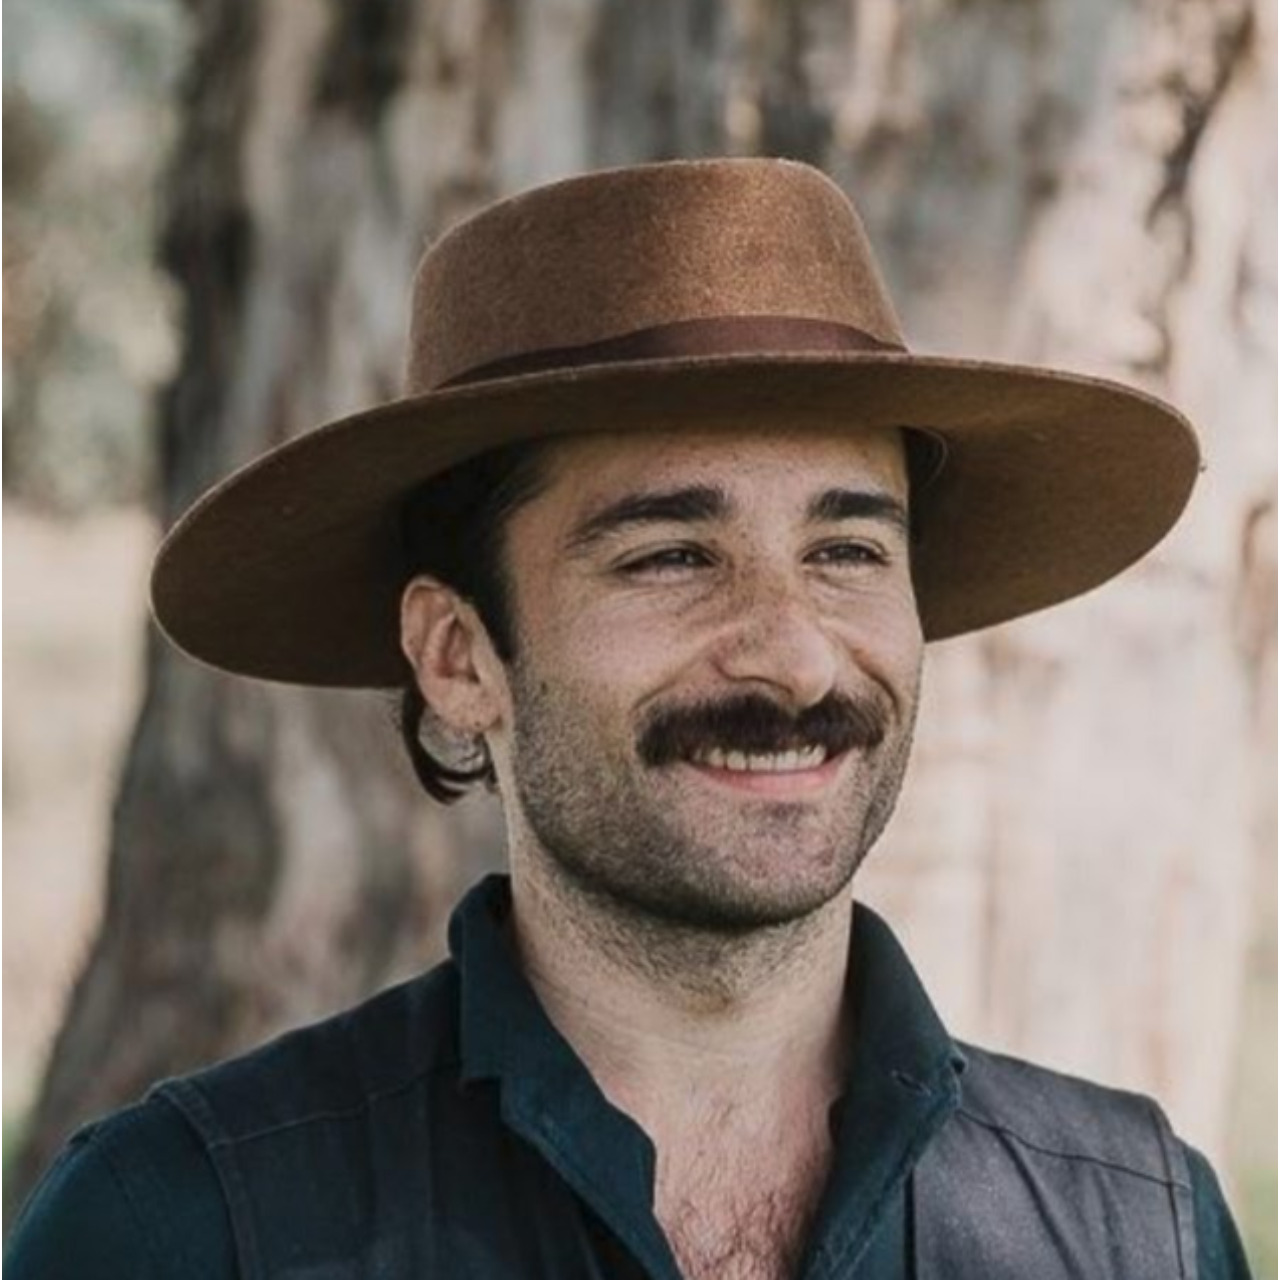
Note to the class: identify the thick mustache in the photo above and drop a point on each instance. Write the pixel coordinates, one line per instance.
(753, 724)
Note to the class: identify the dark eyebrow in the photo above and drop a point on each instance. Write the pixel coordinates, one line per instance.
(678, 506)
(858, 504)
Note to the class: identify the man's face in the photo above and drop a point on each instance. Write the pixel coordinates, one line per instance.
(717, 668)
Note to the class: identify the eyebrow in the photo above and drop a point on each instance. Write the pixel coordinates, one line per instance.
(699, 503)
(690, 505)
(858, 504)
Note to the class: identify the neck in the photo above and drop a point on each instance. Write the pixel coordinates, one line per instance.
(671, 1019)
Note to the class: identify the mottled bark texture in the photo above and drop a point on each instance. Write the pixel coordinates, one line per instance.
(1072, 181)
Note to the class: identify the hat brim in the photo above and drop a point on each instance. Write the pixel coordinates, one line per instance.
(292, 568)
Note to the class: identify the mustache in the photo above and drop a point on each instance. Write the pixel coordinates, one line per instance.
(754, 724)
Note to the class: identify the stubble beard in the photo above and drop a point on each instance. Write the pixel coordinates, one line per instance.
(622, 835)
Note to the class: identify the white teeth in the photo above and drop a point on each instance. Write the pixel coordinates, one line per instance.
(765, 762)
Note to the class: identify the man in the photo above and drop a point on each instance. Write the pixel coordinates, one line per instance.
(655, 541)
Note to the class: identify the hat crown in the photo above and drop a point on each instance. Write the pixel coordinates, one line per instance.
(596, 258)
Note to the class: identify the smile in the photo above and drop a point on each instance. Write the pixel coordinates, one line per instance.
(774, 775)
(762, 762)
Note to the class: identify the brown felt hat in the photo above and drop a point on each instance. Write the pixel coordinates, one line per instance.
(722, 292)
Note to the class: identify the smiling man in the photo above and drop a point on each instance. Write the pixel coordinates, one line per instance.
(654, 544)
(714, 684)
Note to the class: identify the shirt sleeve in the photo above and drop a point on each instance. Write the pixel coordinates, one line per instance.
(132, 1195)
(1218, 1249)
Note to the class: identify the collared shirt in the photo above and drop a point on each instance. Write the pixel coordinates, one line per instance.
(562, 1182)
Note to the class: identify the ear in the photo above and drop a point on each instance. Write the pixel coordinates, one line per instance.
(458, 672)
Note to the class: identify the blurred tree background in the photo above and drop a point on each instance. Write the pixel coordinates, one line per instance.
(213, 212)
(88, 100)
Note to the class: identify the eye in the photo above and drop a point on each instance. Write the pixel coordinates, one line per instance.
(852, 553)
(666, 560)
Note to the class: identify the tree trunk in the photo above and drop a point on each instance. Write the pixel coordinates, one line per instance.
(1061, 182)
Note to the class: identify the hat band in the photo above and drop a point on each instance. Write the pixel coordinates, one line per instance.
(703, 336)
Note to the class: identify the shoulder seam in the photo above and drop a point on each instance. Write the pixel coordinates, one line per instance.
(1081, 1156)
(313, 1117)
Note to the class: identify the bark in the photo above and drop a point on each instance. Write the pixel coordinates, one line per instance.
(1107, 877)
(268, 862)
(1071, 183)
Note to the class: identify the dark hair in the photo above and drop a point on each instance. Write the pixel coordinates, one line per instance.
(454, 530)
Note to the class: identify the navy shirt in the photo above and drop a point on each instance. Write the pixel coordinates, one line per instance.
(526, 1166)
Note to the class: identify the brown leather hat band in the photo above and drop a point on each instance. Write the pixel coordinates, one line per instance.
(707, 336)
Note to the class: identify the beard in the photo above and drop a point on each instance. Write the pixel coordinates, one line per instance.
(621, 818)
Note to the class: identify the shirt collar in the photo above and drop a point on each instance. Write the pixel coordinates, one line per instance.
(896, 1028)
(504, 1029)
(547, 1095)
(902, 1086)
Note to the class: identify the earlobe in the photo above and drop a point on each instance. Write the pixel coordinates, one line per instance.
(447, 647)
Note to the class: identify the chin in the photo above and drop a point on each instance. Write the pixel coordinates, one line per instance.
(719, 891)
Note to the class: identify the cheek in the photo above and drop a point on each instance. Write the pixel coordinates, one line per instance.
(615, 640)
(895, 621)
(883, 635)
(906, 644)
(617, 666)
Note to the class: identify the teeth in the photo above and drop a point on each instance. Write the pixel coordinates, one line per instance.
(764, 762)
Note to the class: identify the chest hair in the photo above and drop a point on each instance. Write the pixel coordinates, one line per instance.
(741, 1207)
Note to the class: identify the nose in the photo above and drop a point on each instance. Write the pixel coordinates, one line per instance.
(775, 638)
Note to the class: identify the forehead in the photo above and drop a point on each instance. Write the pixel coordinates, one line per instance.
(586, 470)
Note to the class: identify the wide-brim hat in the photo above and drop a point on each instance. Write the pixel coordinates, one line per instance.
(740, 294)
